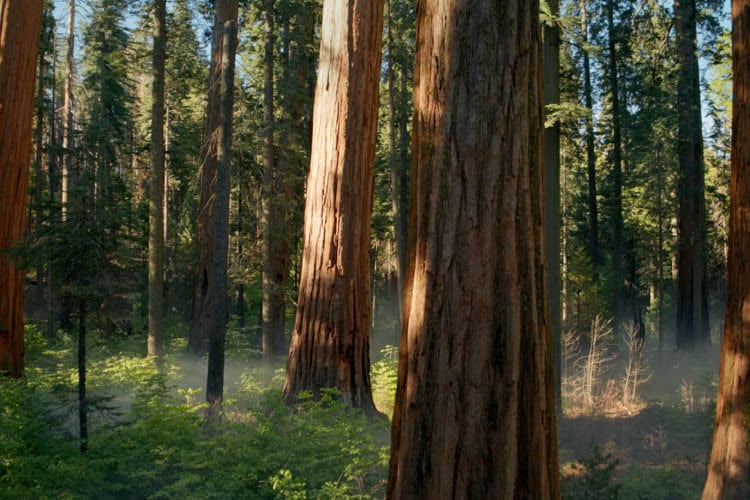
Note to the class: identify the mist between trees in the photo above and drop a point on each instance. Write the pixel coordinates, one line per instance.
(340, 249)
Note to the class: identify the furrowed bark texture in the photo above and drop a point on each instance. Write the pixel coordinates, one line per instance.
(692, 287)
(474, 415)
(729, 470)
(330, 341)
(20, 23)
(201, 314)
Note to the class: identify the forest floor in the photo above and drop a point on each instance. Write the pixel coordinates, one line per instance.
(148, 438)
(656, 449)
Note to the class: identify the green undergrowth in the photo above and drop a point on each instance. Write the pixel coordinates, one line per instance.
(148, 438)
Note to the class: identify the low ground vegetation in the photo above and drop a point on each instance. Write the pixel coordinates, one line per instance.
(148, 438)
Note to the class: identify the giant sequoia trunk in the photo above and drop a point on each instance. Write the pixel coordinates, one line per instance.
(20, 23)
(729, 471)
(200, 324)
(330, 341)
(692, 292)
(474, 415)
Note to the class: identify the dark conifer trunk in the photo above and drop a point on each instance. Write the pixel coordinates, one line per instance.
(218, 291)
(200, 324)
(593, 204)
(156, 191)
(276, 248)
(692, 292)
(83, 419)
(618, 241)
(552, 190)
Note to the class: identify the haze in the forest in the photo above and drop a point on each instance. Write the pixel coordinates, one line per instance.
(367, 249)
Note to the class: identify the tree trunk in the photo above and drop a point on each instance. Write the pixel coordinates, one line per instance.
(398, 209)
(590, 152)
(200, 324)
(475, 412)
(276, 248)
(617, 217)
(67, 163)
(660, 252)
(330, 341)
(729, 470)
(39, 153)
(83, 419)
(218, 291)
(156, 184)
(692, 294)
(20, 24)
(552, 189)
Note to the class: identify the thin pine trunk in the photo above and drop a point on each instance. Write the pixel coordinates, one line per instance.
(83, 419)
(218, 291)
(593, 205)
(156, 198)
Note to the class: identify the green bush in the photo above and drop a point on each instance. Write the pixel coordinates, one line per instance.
(592, 478)
(157, 445)
(658, 484)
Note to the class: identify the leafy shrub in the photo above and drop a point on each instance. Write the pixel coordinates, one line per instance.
(658, 484)
(158, 446)
(592, 478)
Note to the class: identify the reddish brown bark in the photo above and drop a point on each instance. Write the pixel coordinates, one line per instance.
(729, 470)
(201, 314)
(474, 414)
(20, 23)
(330, 341)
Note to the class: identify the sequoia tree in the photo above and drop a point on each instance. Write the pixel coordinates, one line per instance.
(474, 414)
(20, 23)
(729, 470)
(692, 289)
(330, 341)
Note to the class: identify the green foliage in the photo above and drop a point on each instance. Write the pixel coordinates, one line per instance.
(157, 445)
(592, 478)
(384, 376)
(658, 484)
